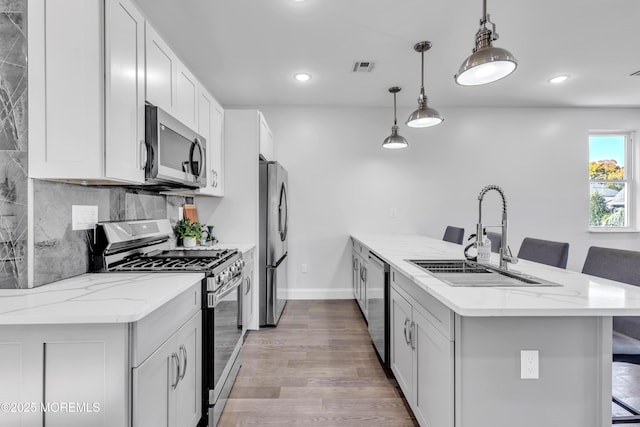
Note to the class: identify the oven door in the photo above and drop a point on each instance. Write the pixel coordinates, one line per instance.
(225, 311)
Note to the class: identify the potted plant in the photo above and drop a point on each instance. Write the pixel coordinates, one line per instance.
(188, 231)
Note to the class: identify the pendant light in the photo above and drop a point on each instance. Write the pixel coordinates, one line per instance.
(424, 116)
(487, 63)
(394, 141)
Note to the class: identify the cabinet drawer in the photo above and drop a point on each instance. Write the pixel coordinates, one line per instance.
(437, 313)
(151, 331)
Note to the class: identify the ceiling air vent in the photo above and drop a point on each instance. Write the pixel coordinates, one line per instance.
(362, 66)
(636, 74)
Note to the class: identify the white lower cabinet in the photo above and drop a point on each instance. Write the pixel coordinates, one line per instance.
(422, 358)
(249, 295)
(167, 385)
(359, 276)
(146, 373)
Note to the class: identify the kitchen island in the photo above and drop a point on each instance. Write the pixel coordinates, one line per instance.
(457, 352)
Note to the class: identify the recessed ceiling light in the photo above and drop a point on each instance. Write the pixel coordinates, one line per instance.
(558, 79)
(302, 77)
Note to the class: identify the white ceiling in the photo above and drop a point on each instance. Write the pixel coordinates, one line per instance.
(246, 51)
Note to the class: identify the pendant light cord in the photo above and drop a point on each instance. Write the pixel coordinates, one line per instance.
(484, 12)
(395, 120)
(422, 81)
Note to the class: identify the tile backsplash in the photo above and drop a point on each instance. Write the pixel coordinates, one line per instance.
(13, 144)
(61, 252)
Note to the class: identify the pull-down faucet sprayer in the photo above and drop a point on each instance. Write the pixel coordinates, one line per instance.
(505, 253)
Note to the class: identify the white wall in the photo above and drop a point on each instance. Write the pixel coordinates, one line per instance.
(342, 181)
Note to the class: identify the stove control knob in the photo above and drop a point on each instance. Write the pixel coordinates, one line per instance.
(242, 263)
(234, 269)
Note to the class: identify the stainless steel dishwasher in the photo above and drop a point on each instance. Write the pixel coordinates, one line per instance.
(378, 304)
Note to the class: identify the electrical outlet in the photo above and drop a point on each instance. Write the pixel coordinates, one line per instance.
(304, 268)
(83, 217)
(529, 365)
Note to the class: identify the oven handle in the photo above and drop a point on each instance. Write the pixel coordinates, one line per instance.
(217, 296)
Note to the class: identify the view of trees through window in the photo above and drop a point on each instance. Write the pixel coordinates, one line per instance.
(608, 180)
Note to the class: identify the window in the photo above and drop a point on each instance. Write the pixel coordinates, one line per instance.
(610, 181)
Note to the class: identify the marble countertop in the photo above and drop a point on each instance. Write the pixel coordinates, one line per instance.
(94, 298)
(579, 295)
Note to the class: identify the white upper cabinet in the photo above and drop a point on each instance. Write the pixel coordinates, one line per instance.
(86, 91)
(187, 99)
(266, 140)
(125, 149)
(92, 66)
(210, 125)
(161, 71)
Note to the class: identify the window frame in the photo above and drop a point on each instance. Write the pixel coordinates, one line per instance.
(629, 180)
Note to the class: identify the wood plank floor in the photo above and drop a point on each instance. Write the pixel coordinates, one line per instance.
(317, 368)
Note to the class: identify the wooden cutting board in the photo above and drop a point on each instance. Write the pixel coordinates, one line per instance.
(190, 212)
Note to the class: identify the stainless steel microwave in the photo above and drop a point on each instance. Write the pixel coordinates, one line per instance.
(175, 153)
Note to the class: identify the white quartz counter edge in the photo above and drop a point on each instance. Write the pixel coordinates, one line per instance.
(94, 298)
(579, 295)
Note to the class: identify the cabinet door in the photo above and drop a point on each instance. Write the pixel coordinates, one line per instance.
(355, 274)
(249, 291)
(266, 140)
(210, 125)
(401, 351)
(125, 151)
(433, 367)
(187, 97)
(161, 71)
(66, 90)
(188, 402)
(154, 382)
(216, 153)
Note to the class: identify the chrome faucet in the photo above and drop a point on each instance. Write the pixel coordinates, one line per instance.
(506, 256)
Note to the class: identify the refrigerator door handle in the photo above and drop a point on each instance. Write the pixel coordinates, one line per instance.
(282, 211)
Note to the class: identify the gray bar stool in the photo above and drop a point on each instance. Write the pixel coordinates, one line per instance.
(546, 252)
(453, 234)
(622, 266)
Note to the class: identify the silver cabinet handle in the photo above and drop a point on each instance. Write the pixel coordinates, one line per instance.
(143, 154)
(407, 338)
(365, 274)
(248, 286)
(183, 350)
(214, 178)
(176, 359)
(412, 334)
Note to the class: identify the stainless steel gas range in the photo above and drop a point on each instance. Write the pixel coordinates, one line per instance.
(145, 246)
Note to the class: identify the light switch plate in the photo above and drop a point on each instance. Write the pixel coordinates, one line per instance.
(83, 217)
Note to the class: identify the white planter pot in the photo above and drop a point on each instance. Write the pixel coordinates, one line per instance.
(189, 242)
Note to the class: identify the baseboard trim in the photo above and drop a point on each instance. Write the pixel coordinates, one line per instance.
(325, 293)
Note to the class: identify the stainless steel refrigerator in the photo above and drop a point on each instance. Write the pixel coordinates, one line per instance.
(274, 226)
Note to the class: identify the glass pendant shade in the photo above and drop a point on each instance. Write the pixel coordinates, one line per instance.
(487, 63)
(394, 141)
(424, 116)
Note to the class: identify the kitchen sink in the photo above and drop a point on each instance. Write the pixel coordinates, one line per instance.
(469, 273)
